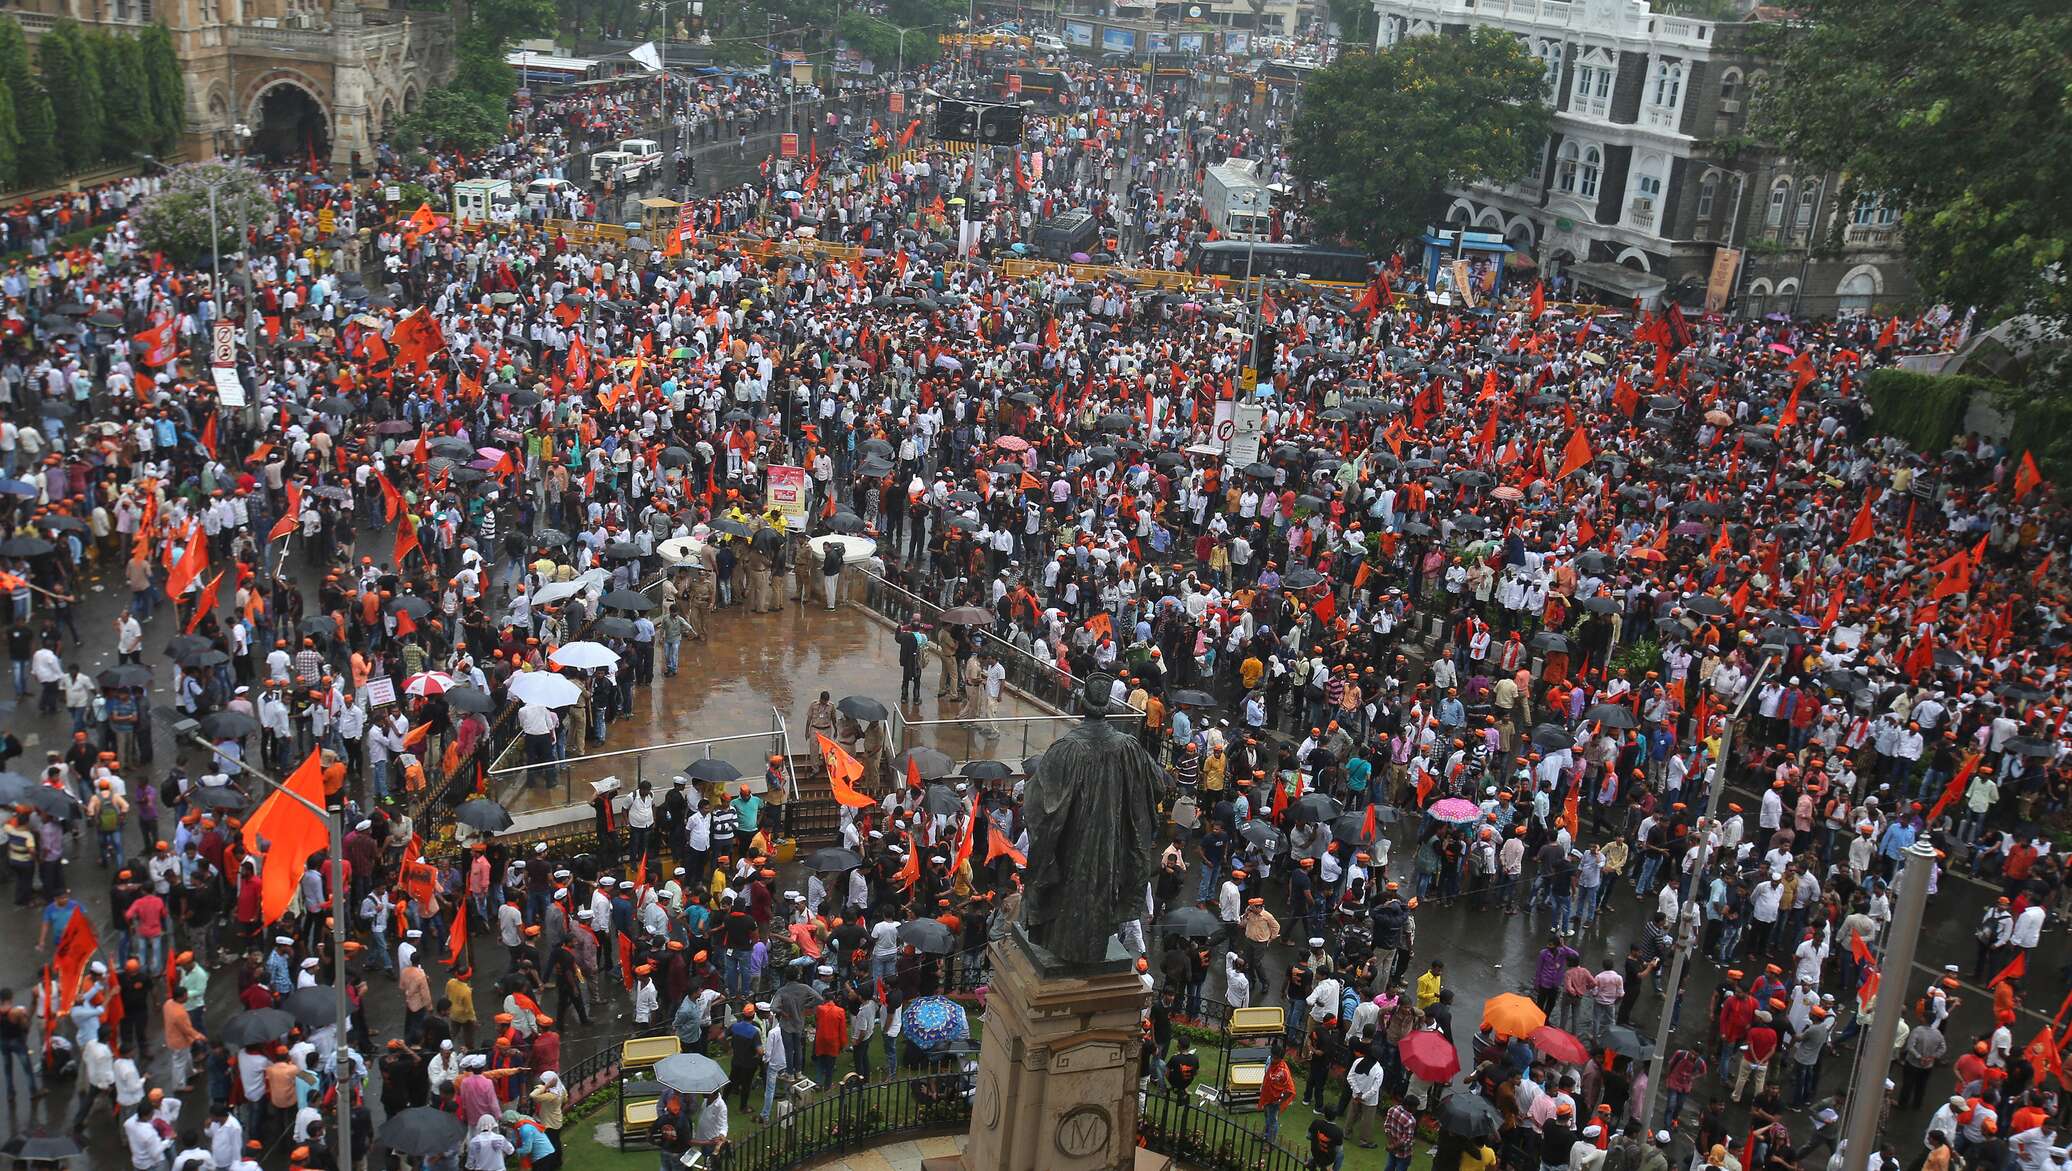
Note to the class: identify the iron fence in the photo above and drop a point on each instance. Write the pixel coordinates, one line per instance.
(1190, 1133)
(855, 1115)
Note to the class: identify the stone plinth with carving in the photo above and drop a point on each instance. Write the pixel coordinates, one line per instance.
(1057, 1074)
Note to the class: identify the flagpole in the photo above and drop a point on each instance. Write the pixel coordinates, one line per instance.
(336, 826)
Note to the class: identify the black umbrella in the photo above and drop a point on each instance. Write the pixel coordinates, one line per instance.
(1552, 737)
(317, 626)
(1184, 697)
(217, 797)
(690, 1073)
(1192, 922)
(1312, 807)
(25, 547)
(629, 600)
(423, 1131)
(1612, 715)
(469, 699)
(209, 658)
(483, 814)
(833, 860)
(613, 626)
(623, 551)
(313, 1007)
(228, 725)
(1300, 578)
(1468, 1115)
(1708, 605)
(932, 765)
(37, 1147)
(862, 708)
(968, 616)
(1626, 1043)
(255, 1027)
(941, 800)
(2030, 746)
(409, 604)
(987, 770)
(930, 935)
(125, 675)
(1262, 835)
(1548, 640)
(1351, 829)
(55, 802)
(182, 645)
(1599, 604)
(711, 769)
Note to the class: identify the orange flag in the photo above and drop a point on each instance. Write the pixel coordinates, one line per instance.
(283, 833)
(76, 947)
(418, 878)
(192, 562)
(843, 771)
(2015, 970)
(457, 939)
(206, 604)
(416, 736)
(1860, 529)
(2026, 477)
(964, 842)
(999, 845)
(406, 540)
(290, 516)
(1575, 455)
(391, 500)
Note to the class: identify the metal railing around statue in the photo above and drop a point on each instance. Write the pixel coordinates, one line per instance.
(1206, 1139)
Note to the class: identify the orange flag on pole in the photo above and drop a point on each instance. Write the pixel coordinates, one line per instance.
(282, 833)
(291, 516)
(457, 939)
(843, 771)
(2015, 969)
(2026, 477)
(206, 604)
(1574, 456)
(1860, 529)
(76, 947)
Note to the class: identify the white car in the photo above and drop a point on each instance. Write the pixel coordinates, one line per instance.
(1047, 43)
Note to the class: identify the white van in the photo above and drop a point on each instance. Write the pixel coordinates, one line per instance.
(1047, 43)
(547, 194)
(616, 165)
(647, 155)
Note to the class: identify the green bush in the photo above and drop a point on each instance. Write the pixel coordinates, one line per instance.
(1924, 410)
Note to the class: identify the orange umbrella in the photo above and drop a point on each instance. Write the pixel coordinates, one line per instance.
(1512, 1015)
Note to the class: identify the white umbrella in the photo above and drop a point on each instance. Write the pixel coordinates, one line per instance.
(584, 655)
(428, 683)
(681, 549)
(854, 549)
(545, 688)
(559, 591)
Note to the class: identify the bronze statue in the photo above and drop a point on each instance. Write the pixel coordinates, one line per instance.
(1093, 834)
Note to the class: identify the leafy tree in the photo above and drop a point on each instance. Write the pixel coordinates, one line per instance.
(1957, 111)
(453, 118)
(1357, 21)
(175, 220)
(1380, 136)
(879, 41)
(74, 85)
(167, 84)
(491, 26)
(33, 128)
(125, 96)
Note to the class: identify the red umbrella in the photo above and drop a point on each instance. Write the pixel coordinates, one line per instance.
(1430, 1056)
(1559, 1045)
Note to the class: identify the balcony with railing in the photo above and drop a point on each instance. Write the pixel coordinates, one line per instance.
(1641, 214)
(1871, 235)
(313, 41)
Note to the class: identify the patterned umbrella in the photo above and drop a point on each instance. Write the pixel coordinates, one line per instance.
(428, 683)
(1455, 810)
(934, 1021)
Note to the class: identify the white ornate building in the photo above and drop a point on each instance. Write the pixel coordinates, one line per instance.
(1649, 172)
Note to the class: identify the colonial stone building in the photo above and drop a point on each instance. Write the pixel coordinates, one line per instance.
(1649, 172)
(283, 79)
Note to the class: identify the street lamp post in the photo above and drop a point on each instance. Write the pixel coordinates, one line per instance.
(334, 822)
(1679, 953)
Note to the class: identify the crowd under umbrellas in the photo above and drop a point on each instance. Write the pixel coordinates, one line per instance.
(1624, 522)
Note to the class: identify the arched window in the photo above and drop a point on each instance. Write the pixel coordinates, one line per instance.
(1550, 54)
(1669, 77)
(1707, 192)
(1592, 92)
(1586, 174)
(1854, 295)
(1809, 201)
(1729, 86)
(1565, 166)
(1871, 211)
(1780, 198)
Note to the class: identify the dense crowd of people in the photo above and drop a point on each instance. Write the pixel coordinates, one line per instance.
(1473, 627)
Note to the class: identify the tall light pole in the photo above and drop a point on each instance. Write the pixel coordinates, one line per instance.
(1673, 990)
(335, 823)
(1873, 1053)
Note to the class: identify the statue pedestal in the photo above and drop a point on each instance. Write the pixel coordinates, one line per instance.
(1057, 1080)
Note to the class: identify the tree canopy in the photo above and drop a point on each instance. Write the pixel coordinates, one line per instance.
(1959, 112)
(175, 219)
(1380, 136)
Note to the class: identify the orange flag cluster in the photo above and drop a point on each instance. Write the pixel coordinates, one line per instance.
(282, 833)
